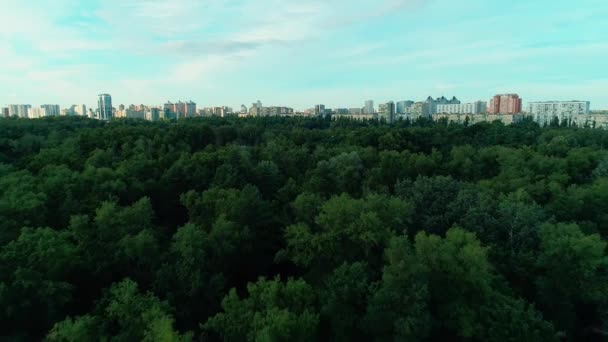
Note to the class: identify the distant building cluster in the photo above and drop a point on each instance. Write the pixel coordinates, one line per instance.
(222, 111)
(179, 110)
(507, 108)
(258, 110)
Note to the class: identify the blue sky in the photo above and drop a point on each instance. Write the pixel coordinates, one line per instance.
(301, 52)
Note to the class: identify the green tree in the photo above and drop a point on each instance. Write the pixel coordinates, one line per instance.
(460, 280)
(572, 281)
(119, 240)
(398, 308)
(123, 314)
(344, 300)
(508, 319)
(22, 204)
(431, 197)
(273, 311)
(343, 173)
(35, 291)
(347, 230)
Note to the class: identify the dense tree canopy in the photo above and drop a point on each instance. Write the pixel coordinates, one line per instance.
(293, 229)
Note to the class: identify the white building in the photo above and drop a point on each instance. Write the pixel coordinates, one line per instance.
(36, 113)
(477, 107)
(19, 110)
(51, 110)
(559, 108)
(80, 109)
(545, 112)
(369, 107)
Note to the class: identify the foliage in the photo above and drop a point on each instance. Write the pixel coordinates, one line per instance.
(272, 229)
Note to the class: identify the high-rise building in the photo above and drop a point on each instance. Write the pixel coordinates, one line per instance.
(169, 107)
(153, 114)
(505, 104)
(51, 110)
(4, 112)
(36, 113)
(80, 110)
(320, 109)
(256, 108)
(104, 107)
(369, 107)
(430, 106)
(417, 109)
(180, 109)
(386, 111)
(189, 109)
(402, 106)
(546, 112)
(20, 110)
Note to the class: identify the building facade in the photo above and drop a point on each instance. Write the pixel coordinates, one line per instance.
(104, 107)
(358, 117)
(369, 107)
(477, 107)
(355, 111)
(20, 110)
(402, 106)
(319, 109)
(256, 108)
(471, 119)
(180, 109)
(51, 110)
(36, 113)
(417, 110)
(153, 114)
(386, 111)
(4, 112)
(80, 110)
(505, 104)
(430, 106)
(559, 108)
(571, 112)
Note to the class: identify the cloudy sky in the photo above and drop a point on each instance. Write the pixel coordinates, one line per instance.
(301, 52)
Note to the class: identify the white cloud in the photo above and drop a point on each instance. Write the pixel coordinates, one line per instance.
(60, 49)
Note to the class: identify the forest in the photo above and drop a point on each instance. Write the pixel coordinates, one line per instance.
(302, 229)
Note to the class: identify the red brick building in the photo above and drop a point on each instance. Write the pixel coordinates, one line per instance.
(505, 104)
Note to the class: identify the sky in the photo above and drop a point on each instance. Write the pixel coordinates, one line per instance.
(299, 53)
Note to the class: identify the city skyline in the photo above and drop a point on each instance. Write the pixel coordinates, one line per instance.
(366, 107)
(336, 53)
